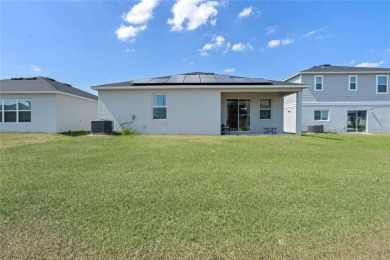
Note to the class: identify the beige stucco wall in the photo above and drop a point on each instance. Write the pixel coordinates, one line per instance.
(43, 114)
(54, 113)
(189, 111)
(75, 114)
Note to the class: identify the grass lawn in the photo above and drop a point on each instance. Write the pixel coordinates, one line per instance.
(195, 197)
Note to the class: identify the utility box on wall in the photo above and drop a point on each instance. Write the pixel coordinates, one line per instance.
(101, 127)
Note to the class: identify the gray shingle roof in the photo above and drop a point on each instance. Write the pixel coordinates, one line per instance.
(41, 84)
(197, 78)
(338, 69)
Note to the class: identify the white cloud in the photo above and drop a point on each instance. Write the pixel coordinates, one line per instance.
(217, 42)
(240, 47)
(248, 11)
(309, 34)
(388, 50)
(314, 32)
(271, 29)
(370, 64)
(229, 70)
(245, 12)
(278, 42)
(130, 50)
(137, 17)
(194, 13)
(36, 68)
(126, 32)
(142, 12)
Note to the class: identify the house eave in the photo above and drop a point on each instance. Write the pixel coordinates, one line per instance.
(44, 93)
(201, 87)
(335, 72)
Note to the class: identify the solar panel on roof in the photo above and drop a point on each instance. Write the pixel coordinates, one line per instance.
(221, 76)
(140, 81)
(208, 79)
(192, 79)
(176, 79)
(192, 76)
(241, 80)
(260, 80)
(224, 79)
(158, 80)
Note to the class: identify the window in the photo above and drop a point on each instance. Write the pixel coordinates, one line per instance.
(352, 83)
(321, 115)
(265, 108)
(15, 110)
(159, 106)
(318, 82)
(9, 110)
(24, 110)
(381, 84)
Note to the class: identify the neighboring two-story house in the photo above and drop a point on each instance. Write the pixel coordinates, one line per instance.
(342, 99)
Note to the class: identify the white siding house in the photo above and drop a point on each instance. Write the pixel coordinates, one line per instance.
(342, 99)
(41, 104)
(196, 103)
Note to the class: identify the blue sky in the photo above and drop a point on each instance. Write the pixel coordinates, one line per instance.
(86, 43)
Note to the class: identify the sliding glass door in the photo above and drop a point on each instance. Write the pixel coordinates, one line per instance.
(238, 114)
(356, 121)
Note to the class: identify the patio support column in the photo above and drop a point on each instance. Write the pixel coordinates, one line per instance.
(298, 115)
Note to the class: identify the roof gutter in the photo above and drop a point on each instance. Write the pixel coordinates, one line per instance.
(233, 86)
(334, 72)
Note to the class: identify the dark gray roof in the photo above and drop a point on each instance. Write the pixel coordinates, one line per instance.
(197, 78)
(329, 68)
(41, 84)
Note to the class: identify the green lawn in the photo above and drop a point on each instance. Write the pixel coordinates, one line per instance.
(194, 197)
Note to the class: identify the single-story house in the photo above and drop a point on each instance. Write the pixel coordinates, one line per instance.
(40, 104)
(198, 103)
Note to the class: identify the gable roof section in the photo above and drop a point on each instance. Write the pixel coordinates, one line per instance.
(197, 79)
(41, 85)
(329, 69)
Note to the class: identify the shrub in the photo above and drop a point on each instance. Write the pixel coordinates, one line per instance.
(127, 131)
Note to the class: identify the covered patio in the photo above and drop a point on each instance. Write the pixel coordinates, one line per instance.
(257, 111)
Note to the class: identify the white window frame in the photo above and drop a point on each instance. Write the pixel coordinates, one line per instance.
(315, 82)
(349, 83)
(270, 109)
(166, 106)
(14, 110)
(3, 111)
(321, 111)
(377, 84)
